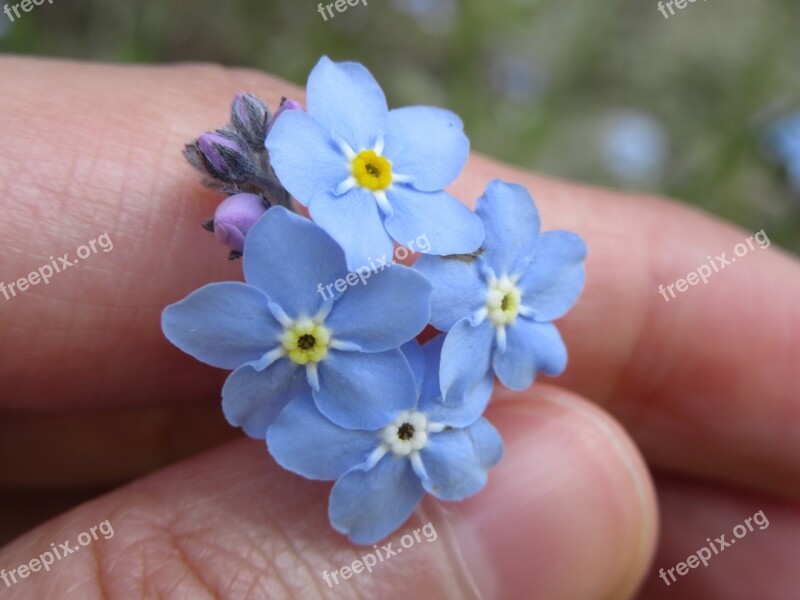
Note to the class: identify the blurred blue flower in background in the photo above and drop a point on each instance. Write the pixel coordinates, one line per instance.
(433, 16)
(783, 144)
(516, 76)
(635, 147)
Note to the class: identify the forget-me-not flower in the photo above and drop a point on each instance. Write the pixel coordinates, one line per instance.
(370, 175)
(382, 472)
(284, 340)
(497, 307)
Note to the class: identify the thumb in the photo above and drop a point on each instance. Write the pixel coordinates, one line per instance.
(569, 513)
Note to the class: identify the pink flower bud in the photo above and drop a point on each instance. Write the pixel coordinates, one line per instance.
(286, 104)
(234, 218)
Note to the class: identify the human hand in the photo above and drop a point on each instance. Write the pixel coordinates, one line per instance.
(703, 384)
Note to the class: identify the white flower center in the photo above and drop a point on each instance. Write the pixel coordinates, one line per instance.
(503, 301)
(408, 433)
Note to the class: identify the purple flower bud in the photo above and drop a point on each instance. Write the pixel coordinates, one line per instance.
(286, 104)
(289, 104)
(234, 218)
(249, 116)
(224, 158)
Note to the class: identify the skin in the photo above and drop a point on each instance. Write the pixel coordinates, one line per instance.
(705, 385)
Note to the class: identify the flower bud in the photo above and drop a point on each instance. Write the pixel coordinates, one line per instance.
(286, 104)
(249, 116)
(224, 158)
(234, 218)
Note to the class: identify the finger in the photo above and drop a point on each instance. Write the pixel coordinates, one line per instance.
(103, 154)
(704, 521)
(680, 375)
(572, 490)
(99, 448)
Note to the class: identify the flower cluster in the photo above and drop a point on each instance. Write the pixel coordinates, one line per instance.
(338, 385)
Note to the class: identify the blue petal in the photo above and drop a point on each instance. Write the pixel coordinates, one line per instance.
(458, 290)
(416, 360)
(512, 224)
(531, 347)
(304, 156)
(487, 441)
(369, 505)
(291, 258)
(222, 324)
(364, 391)
(454, 414)
(253, 399)
(555, 277)
(454, 469)
(432, 353)
(428, 144)
(384, 312)
(305, 442)
(353, 220)
(466, 362)
(449, 226)
(345, 98)
(473, 405)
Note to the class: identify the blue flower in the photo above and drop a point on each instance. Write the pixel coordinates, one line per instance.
(285, 338)
(383, 472)
(635, 147)
(497, 307)
(370, 175)
(783, 142)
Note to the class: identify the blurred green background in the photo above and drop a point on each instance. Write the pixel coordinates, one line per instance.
(702, 106)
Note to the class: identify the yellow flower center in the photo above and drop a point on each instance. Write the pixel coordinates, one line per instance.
(306, 341)
(372, 171)
(503, 302)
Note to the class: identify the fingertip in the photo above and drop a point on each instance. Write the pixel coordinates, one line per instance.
(570, 511)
